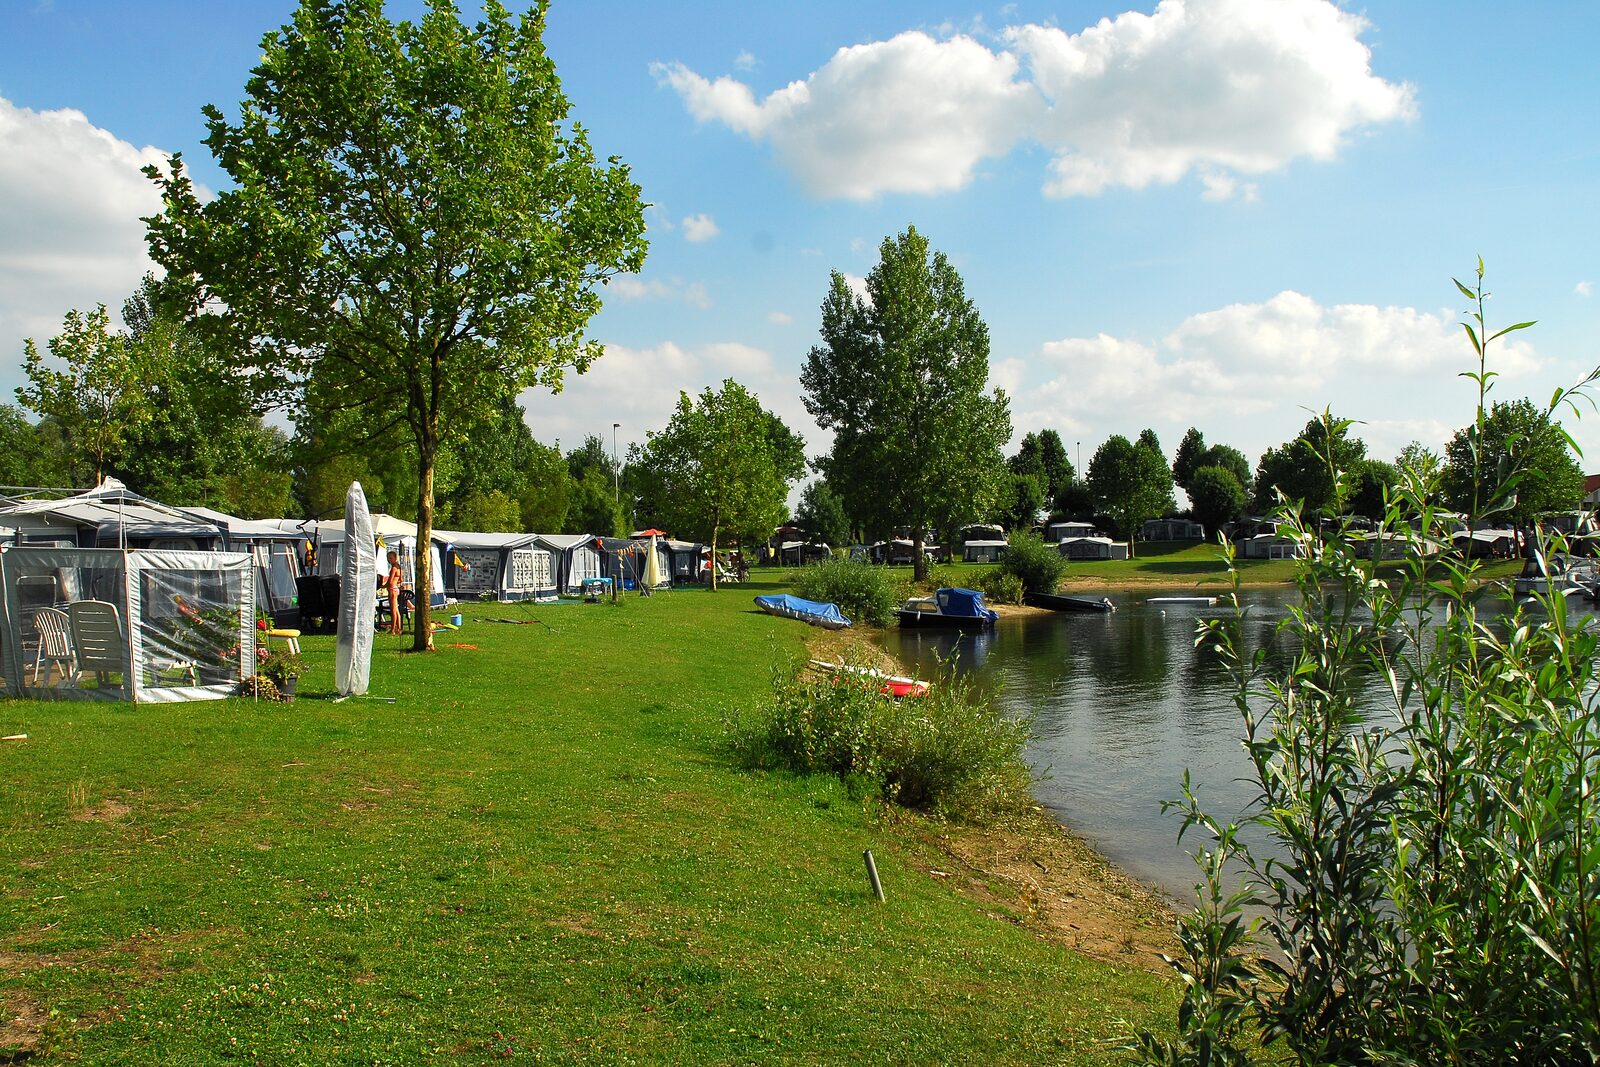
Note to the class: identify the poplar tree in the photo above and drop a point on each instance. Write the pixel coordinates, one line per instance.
(900, 380)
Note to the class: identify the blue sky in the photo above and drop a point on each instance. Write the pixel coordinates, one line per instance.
(1218, 213)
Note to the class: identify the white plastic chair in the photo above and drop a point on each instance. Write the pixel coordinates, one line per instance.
(97, 637)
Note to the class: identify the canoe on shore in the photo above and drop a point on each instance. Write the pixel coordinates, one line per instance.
(893, 685)
(1057, 602)
(1201, 601)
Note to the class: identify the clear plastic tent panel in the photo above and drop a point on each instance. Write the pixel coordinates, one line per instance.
(98, 624)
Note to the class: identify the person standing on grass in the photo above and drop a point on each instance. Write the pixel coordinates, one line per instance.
(392, 582)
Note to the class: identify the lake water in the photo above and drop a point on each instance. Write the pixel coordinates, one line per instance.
(1122, 704)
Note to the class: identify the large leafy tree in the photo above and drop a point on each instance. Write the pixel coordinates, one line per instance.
(31, 454)
(821, 514)
(900, 380)
(1215, 496)
(1044, 456)
(96, 389)
(1514, 437)
(1131, 482)
(1302, 469)
(723, 466)
(411, 212)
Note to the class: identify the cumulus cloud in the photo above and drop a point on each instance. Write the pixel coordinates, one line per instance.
(910, 114)
(780, 318)
(639, 388)
(71, 197)
(632, 287)
(698, 228)
(1250, 369)
(1584, 288)
(745, 60)
(1214, 88)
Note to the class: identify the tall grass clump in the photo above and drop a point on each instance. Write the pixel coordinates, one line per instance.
(1037, 563)
(1431, 893)
(951, 753)
(865, 593)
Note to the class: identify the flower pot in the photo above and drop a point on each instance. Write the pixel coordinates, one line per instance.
(286, 687)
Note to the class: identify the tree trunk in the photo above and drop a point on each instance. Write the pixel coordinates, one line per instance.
(714, 529)
(427, 455)
(919, 562)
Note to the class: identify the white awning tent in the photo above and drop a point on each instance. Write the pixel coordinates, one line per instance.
(576, 558)
(1092, 548)
(110, 516)
(146, 626)
(396, 534)
(497, 566)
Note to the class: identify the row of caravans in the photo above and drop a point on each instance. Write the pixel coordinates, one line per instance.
(294, 559)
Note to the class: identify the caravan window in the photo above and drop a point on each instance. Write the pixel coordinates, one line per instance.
(530, 569)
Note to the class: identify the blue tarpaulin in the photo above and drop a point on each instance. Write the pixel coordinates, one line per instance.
(828, 616)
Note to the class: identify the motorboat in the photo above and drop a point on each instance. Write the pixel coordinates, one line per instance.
(1058, 602)
(891, 685)
(1559, 574)
(951, 608)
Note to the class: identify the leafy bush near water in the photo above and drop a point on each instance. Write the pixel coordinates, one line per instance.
(1036, 563)
(1001, 586)
(950, 752)
(865, 593)
(1431, 894)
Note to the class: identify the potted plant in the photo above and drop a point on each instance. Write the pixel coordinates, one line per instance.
(284, 669)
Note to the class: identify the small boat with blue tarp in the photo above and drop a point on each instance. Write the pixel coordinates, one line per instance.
(827, 616)
(961, 609)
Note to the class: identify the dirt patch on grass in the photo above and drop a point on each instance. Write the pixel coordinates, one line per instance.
(21, 1027)
(107, 810)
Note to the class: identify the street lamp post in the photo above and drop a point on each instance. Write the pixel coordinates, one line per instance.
(616, 471)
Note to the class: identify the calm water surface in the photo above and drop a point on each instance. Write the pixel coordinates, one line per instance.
(1122, 703)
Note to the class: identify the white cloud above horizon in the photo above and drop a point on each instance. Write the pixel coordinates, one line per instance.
(71, 199)
(639, 388)
(1584, 288)
(632, 287)
(1250, 375)
(698, 229)
(1210, 88)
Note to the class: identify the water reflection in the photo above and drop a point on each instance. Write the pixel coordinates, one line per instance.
(1122, 704)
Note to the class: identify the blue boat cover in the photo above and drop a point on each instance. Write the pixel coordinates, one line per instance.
(963, 604)
(817, 614)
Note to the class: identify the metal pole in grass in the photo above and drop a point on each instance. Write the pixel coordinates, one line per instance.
(872, 873)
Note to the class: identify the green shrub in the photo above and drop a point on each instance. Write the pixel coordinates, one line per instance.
(950, 752)
(1001, 586)
(863, 592)
(947, 576)
(1425, 884)
(1038, 564)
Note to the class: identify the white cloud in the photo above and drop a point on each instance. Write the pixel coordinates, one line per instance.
(632, 287)
(780, 318)
(858, 285)
(639, 388)
(745, 60)
(71, 197)
(1243, 374)
(910, 114)
(1584, 288)
(698, 228)
(1215, 88)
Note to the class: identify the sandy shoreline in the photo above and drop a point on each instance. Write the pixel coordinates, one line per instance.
(1035, 872)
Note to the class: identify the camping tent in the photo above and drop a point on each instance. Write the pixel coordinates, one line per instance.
(276, 552)
(106, 624)
(576, 558)
(497, 566)
(392, 533)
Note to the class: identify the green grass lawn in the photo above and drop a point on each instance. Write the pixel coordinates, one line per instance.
(537, 853)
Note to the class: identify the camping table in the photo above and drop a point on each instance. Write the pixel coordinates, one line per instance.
(596, 589)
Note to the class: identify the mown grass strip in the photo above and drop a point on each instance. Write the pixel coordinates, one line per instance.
(540, 850)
